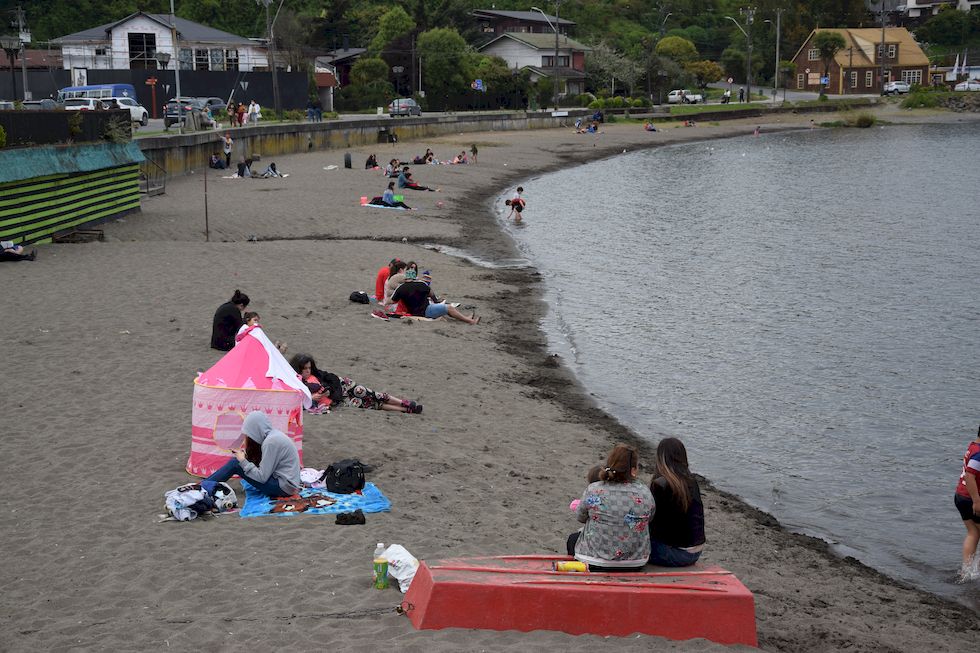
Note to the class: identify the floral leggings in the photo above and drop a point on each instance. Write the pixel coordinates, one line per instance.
(360, 396)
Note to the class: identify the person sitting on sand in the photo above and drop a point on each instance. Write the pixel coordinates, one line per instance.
(398, 278)
(677, 527)
(420, 301)
(393, 169)
(371, 163)
(227, 321)
(11, 252)
(354, 394)
(269, 461)
(405, 181)
(272, 171)
(388, 199)
(616, 512)
(382, 276)
(967, 501)
(649, 126)
(244, 168)
(216, 161)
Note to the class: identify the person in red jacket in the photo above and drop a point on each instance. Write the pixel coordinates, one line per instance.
(967, 500)
(383, 274)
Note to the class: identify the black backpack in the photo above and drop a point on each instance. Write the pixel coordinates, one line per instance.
(360, 297)
(344, 477)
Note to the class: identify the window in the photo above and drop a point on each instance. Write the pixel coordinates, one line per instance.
(813, 54)
(186, 57)
(231, 59)
(799, 81)
(854, 79)
(217, 59)
(100, 52)
(202, 60)
(869, 78)
(886, 76)
(912, 76)
(141, 49)
(891, 51)
(549, 61)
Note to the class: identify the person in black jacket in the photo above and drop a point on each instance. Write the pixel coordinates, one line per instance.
(227, 322)
(677, 527)
(334, 389)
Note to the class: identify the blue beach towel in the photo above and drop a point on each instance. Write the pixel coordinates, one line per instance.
(371, 500)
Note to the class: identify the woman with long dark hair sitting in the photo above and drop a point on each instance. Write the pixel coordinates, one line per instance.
(677, 528)
(616, 512)
(269, 461)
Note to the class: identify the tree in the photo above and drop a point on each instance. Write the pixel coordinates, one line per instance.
(949, 27)
(704, 72)
(676, 48)
(369, 69)
(445, 65)
(828, 44)
(394, 24)
(606, 65)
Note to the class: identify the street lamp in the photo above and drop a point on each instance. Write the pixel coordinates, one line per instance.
(749, 15)
(554, 27)
(176, 58)
(663, 23)
(775, 79)
(271, 44)
(11, 45)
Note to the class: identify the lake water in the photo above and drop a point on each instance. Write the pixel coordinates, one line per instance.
(801, 309)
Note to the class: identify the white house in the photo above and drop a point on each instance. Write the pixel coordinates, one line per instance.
(130, 43)
(927, 8)
(536, 52)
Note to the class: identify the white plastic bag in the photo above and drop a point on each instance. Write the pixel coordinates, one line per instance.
(402, 565)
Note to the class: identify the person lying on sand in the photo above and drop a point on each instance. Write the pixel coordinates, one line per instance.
(324, 386)
(405, 181)
(12, 252)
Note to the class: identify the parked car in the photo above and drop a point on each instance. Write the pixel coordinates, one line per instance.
(46, 104)
(895, 88)
(971, 85)
(7, 105)
(85, 104)
(218, 106)
(136, 111)
(189, 105)
(684, 96)
(404, 107)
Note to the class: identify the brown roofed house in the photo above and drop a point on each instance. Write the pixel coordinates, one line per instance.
(856, 68)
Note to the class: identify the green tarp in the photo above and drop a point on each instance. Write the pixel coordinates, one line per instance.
(22, 163)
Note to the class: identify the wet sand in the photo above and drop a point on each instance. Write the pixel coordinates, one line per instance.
(102, 343)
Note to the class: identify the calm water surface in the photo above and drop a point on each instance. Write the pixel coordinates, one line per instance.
(801, 309)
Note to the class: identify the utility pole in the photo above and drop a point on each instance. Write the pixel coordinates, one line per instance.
(775, 80)
(749, 14)
(881, 55)
(271, 47)
(557, 74)
(176, 58)
(23, 34)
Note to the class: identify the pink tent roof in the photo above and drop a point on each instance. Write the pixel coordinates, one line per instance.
(245, 366)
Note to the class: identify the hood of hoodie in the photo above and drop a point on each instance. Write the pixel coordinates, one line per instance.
(256, 426)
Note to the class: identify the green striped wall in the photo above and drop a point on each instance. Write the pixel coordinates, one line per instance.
(34, 210)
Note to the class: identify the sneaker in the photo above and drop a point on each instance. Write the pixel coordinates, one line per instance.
(381, 315)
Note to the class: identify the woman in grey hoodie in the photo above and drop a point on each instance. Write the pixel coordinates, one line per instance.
(269, 462)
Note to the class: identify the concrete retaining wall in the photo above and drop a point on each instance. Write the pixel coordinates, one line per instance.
(181, 154)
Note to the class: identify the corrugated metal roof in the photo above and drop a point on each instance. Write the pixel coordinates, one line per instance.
(530, 16)
(187, 30)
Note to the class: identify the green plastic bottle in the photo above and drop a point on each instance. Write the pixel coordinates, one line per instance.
(380, 567)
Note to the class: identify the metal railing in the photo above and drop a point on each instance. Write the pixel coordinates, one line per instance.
(153, 178)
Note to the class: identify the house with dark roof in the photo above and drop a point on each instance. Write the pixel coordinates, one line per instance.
(494, 23)
(536, 53)
(130, 44)
(856, 69)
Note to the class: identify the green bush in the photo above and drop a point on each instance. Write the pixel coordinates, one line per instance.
(597, 103)
(920, 99)
(639, 102)
(615, 102)
(864, 120)
(3, 137)
(585, 99)
(611, 118)
(294, 115)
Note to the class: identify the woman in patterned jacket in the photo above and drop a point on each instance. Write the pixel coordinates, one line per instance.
(616, 511)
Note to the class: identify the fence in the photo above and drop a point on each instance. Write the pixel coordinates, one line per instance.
(59, 126)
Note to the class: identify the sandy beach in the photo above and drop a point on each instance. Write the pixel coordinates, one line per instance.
(103, 341)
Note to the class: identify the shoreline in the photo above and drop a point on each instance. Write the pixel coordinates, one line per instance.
(488, 469)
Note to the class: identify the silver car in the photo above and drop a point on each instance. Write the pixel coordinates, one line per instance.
(404, 107)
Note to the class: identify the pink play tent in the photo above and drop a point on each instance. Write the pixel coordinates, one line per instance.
(252, 376)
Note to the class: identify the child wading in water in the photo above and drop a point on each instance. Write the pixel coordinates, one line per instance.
(516, 205)
(967, 500)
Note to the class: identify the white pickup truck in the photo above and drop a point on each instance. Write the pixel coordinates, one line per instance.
(684, 97)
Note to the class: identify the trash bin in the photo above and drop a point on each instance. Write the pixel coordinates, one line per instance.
(347, 163)
(383, 134)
